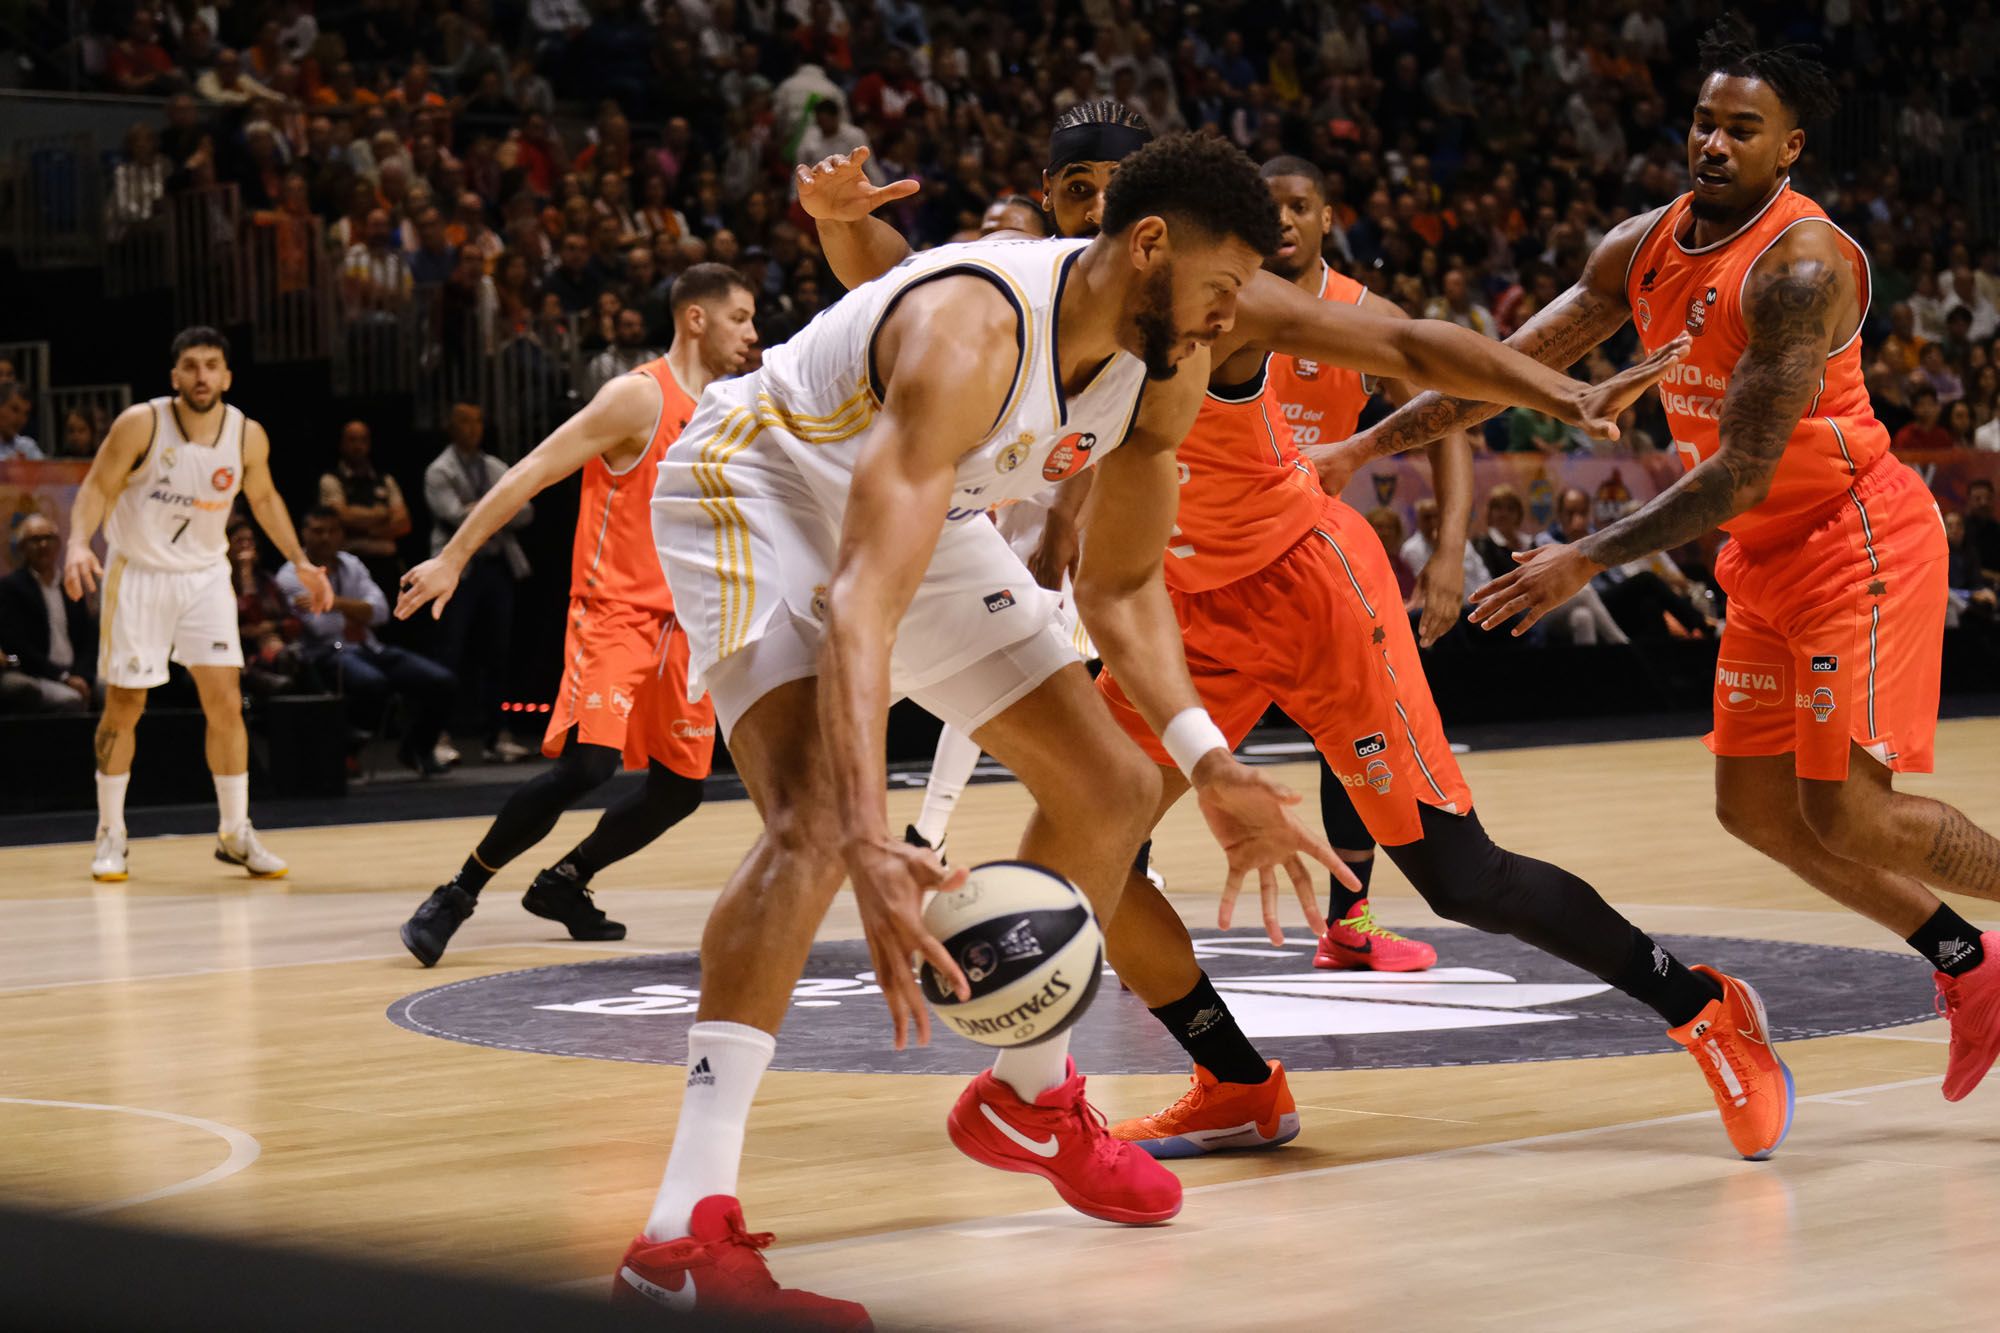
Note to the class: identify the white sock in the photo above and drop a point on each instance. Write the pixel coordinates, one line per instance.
(232, 797)
(1032, 1070)
(111, 801)
(951, 768)
(725, 1063)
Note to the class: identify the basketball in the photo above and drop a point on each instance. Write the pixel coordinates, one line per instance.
(1030, 949)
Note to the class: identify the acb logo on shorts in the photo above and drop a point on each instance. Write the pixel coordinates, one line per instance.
(1825, 662)
(1370, 745)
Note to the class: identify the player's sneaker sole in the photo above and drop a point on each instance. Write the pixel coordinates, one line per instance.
(1246, 1137)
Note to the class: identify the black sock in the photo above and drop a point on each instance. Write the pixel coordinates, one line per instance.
(1950, 942)
(472, 876)
(1341, 900)
(1207, 1031)
(1664, 984)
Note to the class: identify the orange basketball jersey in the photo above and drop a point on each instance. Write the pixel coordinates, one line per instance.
(1673, 286)
(1321, 402)
(614, 558)
(1246, 495)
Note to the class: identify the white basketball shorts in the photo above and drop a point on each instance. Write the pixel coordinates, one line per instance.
(153, 615)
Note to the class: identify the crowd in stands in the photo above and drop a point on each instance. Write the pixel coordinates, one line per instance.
(548, 169)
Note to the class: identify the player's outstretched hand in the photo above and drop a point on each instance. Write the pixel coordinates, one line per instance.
(1601, 404)
(1251, 818)
(81, 572)
(319, 588)
(835, 189)
(434, 581)
(890, 880)
(1542, 580)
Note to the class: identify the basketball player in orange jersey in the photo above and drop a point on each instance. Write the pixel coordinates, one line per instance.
(1827, 683)
(1285, 595)
(624, 688)
(162, 486)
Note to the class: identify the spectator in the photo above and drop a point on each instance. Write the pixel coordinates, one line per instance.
(1455, 304)
(1958, 424)
(1388, 525)
(341, 645)
(831, 132)
(1503, 535)
(1982, 529)
(227, 85)
(1972, 591)
(369, 505)
(1938, 374)
(15, 409)
(435, 257)
(79, 435)
(1648, 598)
(272, 661)
(576, 281)
(138, 182)
(52, 639)
(478, 622)
(1422, 544)
(375, 279)
(138, 65)
(1924, 432)
(628, 350)
(1986, 438)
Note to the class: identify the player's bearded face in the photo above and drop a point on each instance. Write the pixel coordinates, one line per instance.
(200, 385)
(1158, 339)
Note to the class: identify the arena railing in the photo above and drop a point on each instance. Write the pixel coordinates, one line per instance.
(526, 379)
(204, 256)
(58, 188)
(289, 285)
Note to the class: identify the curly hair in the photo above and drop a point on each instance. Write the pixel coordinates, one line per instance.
(1793, 72)
(1201, 180)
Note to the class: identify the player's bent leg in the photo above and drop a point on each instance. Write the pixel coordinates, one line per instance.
(114, 746)
(1864, 819)
(695, 1252)
(1095, 793)
(633, 821)
(1466, 877)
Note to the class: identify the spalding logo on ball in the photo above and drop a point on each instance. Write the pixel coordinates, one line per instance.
(1029, 947)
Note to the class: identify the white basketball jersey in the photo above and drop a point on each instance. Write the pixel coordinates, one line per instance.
(818, 395)
(175, 506)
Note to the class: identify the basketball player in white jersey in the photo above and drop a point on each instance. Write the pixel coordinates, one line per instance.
(822, 525)
(162, 486)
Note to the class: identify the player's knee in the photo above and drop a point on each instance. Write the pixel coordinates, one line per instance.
(1840, 824)
(122, 707)
(1125, 794)
(584, 768)
(671, 795)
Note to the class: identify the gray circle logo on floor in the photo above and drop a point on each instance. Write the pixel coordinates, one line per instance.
(1490, 1000)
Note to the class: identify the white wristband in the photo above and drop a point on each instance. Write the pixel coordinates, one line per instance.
(1190, 735)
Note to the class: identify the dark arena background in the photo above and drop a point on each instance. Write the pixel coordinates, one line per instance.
(432, 230)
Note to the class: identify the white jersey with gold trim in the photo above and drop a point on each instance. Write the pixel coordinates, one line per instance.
(174, 511)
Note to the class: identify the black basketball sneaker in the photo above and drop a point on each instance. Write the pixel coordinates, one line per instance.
(557, 895)
(426, 933)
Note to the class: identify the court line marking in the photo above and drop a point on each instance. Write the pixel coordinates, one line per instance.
(1903, 1036)
(1024, 1220)
(243, 1150)
(565, 946)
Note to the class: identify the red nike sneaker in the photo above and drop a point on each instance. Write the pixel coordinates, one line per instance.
(1971, 1003)
(1062, 1138)
(1731, 1041)
(1358, 942)
(1213, 1116)
(719, 1269)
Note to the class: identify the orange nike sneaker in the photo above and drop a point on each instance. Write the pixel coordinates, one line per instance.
(1061, 1137)
(1971, 1003)
(1213, 1116)
(1359, 942)
(718, 1270)
(1731, 1041)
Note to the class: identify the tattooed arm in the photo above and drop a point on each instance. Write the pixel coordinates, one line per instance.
(1799, 296)
(1558, 336)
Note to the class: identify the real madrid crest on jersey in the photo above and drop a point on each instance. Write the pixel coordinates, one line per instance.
(1015, 454)
(168, 456)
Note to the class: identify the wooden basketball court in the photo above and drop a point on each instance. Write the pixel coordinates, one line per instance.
(191, 1050)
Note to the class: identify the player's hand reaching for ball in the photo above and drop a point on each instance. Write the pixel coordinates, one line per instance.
(890, 880)
(1599, 405)
(1251, 818)
(81, 572)
(835, 189)
(433, 582)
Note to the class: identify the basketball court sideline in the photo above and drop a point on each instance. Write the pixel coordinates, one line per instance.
(196, 1051)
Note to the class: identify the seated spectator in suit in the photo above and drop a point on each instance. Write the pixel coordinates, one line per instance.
(342, 646)
(272, 658)
(52, 639)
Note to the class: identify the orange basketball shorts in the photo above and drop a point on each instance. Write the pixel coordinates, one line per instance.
(1322, 633)
(624, 686)
(1835, 633)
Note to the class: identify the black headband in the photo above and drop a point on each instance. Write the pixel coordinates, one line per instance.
(1095, 143)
